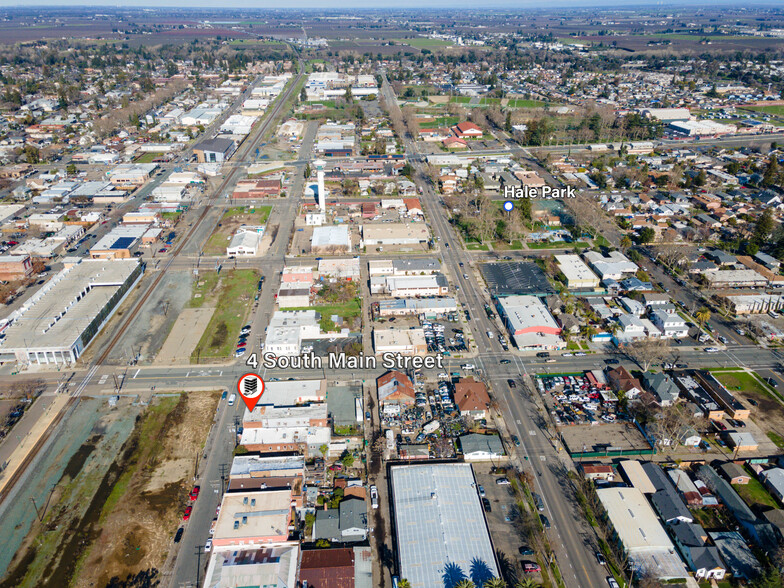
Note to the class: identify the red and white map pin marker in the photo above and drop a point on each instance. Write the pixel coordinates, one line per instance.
(250, 387)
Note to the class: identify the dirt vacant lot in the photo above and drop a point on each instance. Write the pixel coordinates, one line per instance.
(142, 512)
(119, 501)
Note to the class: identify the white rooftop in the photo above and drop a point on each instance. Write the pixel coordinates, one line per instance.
(439, 522)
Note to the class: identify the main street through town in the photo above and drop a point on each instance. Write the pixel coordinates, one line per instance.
(539, 453)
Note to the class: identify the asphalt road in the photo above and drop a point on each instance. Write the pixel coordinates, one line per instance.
(574, 552)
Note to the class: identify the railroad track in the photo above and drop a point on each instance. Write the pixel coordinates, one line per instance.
(228, 179)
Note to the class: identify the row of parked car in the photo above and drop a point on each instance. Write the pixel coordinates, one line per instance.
(242, 341)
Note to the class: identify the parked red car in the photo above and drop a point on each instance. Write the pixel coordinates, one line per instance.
(187, 514)
(194, 493)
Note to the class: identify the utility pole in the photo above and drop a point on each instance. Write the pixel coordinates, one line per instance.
(37, 512)
(199, 549)
(223, 467)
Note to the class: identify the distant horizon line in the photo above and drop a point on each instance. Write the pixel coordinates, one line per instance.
(388, 5)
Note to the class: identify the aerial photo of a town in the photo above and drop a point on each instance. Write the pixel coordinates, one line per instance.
(326, 294)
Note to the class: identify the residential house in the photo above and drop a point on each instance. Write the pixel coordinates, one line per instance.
(472, 398)
(734, 473)
(662, 387)
(703, 559)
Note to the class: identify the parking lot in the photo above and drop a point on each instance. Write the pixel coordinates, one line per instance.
(505, 522)
(446, 336)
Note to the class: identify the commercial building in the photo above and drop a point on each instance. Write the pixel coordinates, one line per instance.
(119, 243)
(253, 519)
(331, 239)
(289, 429)
(264, 467)
(431, 308)
(58, 322)
(529, 323)
(128, 176)
(395, 234)
(410, 286)
(745, 278)
(253, 189)
(274, 565)
(404, 267)
(287, 330)
(439, 523)
(346, 268)
(755, 303)
(615, 265)
(15, 267)
(245, 243)
(578, 275)
(634, 474)
(293, 392)
(293, 295)
(476, 447)
(640, 533)
(403, 341)
(701, 128)
(238, 124)
(214, 150)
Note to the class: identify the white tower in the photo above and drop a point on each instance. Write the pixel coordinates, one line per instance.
(322, 196)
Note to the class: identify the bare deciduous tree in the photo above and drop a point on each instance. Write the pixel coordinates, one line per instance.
(646, 352)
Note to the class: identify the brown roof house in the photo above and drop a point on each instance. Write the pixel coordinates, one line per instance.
(620, 379)
(395, 391)
(472, 398)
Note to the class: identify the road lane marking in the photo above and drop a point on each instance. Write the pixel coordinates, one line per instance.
(136, 374)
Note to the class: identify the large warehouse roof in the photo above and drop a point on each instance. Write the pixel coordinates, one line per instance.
(56, 316)
(643, 537)
(440, 526)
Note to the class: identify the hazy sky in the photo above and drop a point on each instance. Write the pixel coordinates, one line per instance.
(364, 4)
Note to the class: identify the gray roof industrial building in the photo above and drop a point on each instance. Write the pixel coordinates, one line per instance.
(439, 525)
(639, 531)
(58, 322)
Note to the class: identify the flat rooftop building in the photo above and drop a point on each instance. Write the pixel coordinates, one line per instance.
(643, 538)
(253, 519)
(274, 565)
(439, 523)
(578, 275)
(403, 341)
(58, 322)
(331, 239)
(529, 322)
(395, 234)
(119, 243)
